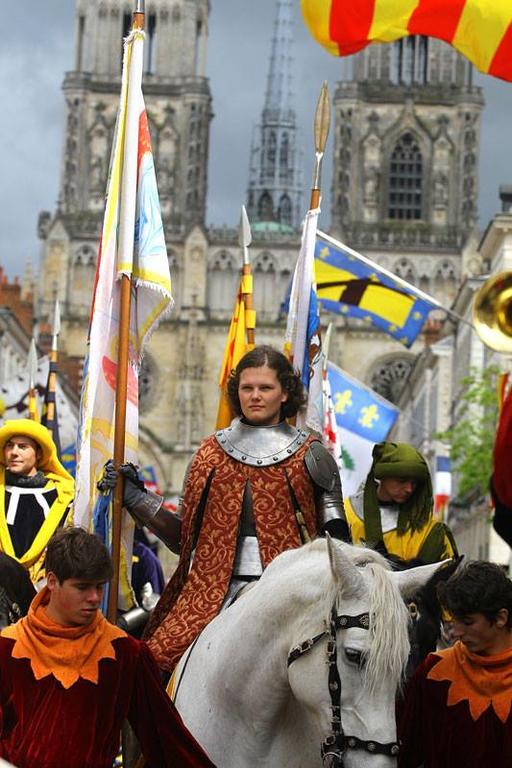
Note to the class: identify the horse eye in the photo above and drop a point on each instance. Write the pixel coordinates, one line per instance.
(355, 657)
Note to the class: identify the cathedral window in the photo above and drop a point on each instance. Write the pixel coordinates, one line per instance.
(285, 210)
(150, 45)
(265, 286)
(80, 43)
(425, 284)
(404, 270)
(198, 47)
(265, 208)
(410, 61)
(223, 281)
(147, 377)
(406, 180)
(272, 151)
(389, 376)
(284, 156)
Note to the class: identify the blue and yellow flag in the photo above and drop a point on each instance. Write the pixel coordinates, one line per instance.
(353, 286)
(363, 418)
(358, 408)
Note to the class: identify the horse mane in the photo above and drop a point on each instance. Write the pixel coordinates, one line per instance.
(389, 617)
(389, 622)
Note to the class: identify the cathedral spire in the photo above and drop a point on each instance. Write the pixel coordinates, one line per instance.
(278, 98)
(275, 181)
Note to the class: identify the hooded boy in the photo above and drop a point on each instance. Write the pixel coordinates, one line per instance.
(393, 511)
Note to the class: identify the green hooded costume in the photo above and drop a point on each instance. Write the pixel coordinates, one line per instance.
(417, 535)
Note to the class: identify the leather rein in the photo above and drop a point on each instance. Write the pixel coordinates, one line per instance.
(337, 742)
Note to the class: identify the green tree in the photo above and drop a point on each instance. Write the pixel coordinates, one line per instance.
(471, 436)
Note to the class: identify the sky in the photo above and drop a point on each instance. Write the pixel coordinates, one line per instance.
(38, 47)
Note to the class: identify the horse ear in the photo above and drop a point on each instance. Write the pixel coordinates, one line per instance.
(344, 572)
(409, 581)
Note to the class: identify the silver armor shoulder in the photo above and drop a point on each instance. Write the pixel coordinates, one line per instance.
(260, 446)
(321, 466)
(325, 474)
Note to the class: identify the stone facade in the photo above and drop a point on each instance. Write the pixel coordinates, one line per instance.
(430, 402)
(178, 103)
(405, 185)
(379, 120)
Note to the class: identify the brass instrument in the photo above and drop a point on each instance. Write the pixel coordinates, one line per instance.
(492, 312)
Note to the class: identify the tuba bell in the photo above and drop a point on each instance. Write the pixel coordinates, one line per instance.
(492, 312)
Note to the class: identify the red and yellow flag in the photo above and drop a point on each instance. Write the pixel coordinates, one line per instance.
(236, 346)
(479, 29)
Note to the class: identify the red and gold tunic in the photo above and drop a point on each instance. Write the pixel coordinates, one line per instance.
(195, 594)
(65, 692)
(457, 711)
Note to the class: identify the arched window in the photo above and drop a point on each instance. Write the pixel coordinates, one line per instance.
(404, 269)
(272, 151)
(406, 180)
(285, 210)
(284, 156)
(223, 280)
(82, 279)
(265, 208)
(150, 45)
(265, 286)
(445, 281)
(410, 60)
(388, 376)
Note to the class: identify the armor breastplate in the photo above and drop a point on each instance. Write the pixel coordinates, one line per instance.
(260, 446)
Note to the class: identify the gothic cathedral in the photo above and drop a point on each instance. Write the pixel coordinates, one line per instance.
(404, 193)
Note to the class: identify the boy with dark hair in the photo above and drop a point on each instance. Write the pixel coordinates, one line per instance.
(68, 678)
(457, 707)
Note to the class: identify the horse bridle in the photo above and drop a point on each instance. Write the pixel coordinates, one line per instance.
(336, 744)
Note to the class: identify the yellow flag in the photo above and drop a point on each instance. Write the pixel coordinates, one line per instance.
(236, 347)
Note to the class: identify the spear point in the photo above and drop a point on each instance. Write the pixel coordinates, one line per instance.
(244, 234)
(322, 120)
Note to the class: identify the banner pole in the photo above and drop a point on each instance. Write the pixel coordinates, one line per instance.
(122, 377)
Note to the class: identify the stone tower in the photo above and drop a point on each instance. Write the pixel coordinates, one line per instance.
(275, 175)
(178, 103)
(405, 184)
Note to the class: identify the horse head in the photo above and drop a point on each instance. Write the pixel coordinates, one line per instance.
(367, 650)
(306, 662)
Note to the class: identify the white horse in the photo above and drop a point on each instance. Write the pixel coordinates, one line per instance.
(307, 659)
